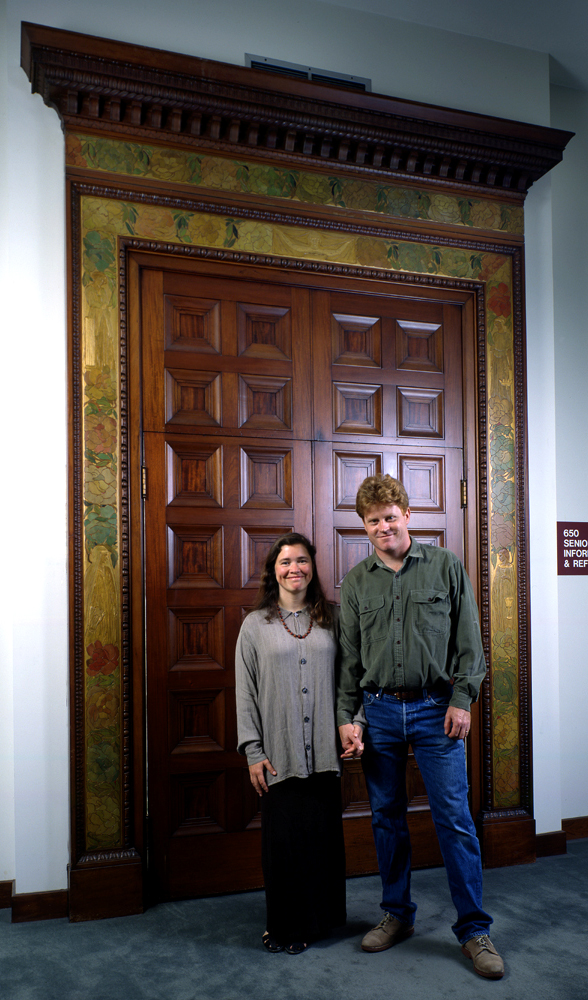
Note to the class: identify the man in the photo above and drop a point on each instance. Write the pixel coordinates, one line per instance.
(412, 651)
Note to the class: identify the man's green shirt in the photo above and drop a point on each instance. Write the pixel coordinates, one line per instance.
(409, 629)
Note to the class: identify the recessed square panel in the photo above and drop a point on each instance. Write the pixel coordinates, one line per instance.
(356, 340)
(264, 331)
(350, 468)
(192, 324)
(196, 638)
(353, 790)
(424, 481)
(198, 803)
(194, 474)
(419, 346)
(266, 477)
(351, 546)
(195, 556)
(429, 536)
(357, 409)
(251, 804)
(196, 721)
(193, 398)
(420, 412)
(265, 402)
(255, 545)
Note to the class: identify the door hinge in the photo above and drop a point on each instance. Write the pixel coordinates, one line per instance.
(144, 482)
(463, 489)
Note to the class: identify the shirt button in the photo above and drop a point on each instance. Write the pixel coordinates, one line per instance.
(306, 719)
(303, 661)
(308, 746)
(304, 690)
(296, 614)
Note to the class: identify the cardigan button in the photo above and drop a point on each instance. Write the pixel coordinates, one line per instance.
(303, 661)
(304, 690)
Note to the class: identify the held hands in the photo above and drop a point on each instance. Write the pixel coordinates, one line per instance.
(257, 775)
(457, 723)
(350, 736)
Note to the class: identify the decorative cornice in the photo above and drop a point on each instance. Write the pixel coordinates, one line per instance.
(96, 84)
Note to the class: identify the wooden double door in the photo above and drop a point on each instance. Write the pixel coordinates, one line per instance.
(266, 398)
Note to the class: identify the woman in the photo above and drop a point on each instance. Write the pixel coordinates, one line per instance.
(285, 665)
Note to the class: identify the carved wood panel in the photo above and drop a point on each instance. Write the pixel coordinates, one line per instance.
(229, 470)
(405, 435)
(291, 442)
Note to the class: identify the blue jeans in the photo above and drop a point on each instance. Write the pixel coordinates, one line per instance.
(391, 726)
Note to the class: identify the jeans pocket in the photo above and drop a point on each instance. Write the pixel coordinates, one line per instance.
(437, 696)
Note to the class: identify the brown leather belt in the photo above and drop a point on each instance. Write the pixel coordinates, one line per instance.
(404, 694)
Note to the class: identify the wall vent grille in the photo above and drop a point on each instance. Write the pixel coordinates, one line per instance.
(308, 73)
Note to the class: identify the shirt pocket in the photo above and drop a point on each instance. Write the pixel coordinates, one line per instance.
(430, 612)
(373, 619)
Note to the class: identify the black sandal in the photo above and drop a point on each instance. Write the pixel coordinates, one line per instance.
(296, 947)
(270, 943)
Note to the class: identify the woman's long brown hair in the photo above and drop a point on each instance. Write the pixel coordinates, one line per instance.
(267, 596)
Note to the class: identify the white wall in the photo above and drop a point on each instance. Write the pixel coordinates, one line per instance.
(542, 498)
(570, 215)
(34, 448)
(403, 60)
(7, 857)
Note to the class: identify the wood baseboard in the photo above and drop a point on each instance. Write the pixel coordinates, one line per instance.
(507, 840)
(550, 844)
(98, 891)
(6, 891)
(575, 828)
(40, 906)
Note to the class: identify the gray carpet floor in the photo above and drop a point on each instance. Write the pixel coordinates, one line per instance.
(209, 949)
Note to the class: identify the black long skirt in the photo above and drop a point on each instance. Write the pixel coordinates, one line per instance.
(303, 857)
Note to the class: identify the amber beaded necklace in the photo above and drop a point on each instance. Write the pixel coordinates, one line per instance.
(290, 630)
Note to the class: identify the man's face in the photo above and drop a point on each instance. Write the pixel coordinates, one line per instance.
(387, 529)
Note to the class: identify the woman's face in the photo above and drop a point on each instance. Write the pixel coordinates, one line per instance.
(293, 569)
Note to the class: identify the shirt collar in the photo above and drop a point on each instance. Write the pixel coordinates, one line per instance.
(287, 614)
(415, 552)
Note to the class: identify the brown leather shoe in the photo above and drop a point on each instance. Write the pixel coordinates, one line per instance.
(487, 961)
(388, 932)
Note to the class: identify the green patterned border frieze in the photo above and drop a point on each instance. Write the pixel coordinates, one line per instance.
(217, 173)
